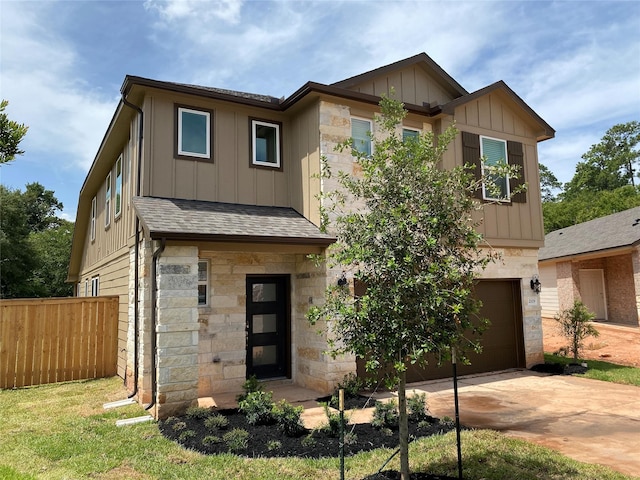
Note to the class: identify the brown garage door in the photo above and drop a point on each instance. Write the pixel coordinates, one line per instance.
(502, 342)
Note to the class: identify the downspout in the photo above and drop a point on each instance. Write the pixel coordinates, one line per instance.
(154, 335)
(136, 268)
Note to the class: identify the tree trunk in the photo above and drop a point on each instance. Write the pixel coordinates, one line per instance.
(403, 427)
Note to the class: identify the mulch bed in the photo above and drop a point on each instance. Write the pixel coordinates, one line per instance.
(559, 369)
(395, 475)
(268, 441)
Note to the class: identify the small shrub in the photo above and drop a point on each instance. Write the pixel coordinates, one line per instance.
(186, 435)
(216, 422)
(211, 440)
(351, 384)
(387, 432)
(274, 445)
(257, 408)
(417, 407)
(198, 413)
(236, 440)
(385, 415)
(332, 427)
(575, 325)
(309, 441)
(350, 438)
(179, 426)
(287, 417)
(250, 385)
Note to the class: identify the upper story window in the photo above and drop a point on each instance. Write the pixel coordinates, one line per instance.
(107, 201)
(494, 152)
(360, 133)
(194, 133)
(118, 199)
(265, 144)
(203, 283)
(93, 219)
(410, 134)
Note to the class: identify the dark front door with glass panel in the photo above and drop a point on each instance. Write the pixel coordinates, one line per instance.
(268, 336)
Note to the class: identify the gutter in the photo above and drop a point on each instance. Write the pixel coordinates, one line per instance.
(154, 322)
(136, 281)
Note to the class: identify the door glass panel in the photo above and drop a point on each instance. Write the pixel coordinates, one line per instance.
(265, 323)
(264, 292)
(265, 355)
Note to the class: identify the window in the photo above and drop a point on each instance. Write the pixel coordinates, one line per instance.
(360, 133)
(86, 287)
(107, 201)
(494, 152)
(194, 133)
(118, 206)
(93, 219)
(203, 283)
(472, 150)
(265, 144)
(409, 134)
(95, 286)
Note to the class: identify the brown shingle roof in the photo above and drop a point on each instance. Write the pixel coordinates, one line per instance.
(611, 232)
(178, 219)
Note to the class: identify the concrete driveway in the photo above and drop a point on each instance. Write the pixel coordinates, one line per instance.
(588, 420)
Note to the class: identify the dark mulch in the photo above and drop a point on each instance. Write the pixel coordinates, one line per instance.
(559, 369)
(395, 475)
(359, 401)
(267, 441)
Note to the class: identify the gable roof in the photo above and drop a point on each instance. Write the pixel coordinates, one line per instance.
(177, 219)
(612, 232)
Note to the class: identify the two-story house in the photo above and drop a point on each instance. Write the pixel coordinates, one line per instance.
(201, 208)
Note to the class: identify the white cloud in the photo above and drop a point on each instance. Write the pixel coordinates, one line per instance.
(66, 118)
(197, 10)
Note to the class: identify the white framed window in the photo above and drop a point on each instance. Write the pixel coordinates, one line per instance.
(194, 133)
(360, 133)
(118, 198)
(203, 283)
(265, 144)
(107, 201)
(86, 287)
(94, 212)
(409, 134)
(494, 152)
(95, 286)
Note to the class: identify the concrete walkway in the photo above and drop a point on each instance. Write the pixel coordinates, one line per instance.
(587, 420)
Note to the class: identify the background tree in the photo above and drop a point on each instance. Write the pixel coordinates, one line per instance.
(603, 184)
(11, 134)
(549, 183)
(415, 248)
(35, 244)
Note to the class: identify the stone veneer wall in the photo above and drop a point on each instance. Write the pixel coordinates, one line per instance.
(222, 341)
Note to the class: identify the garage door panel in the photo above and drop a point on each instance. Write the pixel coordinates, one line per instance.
(502, 342)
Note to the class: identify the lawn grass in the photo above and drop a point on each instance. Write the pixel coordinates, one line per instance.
(605, 371)
(61, 431)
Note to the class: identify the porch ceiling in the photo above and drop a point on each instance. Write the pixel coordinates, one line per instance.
(177, 219)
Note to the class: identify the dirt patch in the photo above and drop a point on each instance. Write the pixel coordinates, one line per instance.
(616, 344)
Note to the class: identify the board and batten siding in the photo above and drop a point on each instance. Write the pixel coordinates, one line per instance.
(228, 177)
(511, 224)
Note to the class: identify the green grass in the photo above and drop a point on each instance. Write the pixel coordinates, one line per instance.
(605, 371)
(61, 432)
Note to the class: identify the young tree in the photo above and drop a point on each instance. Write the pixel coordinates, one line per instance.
(575, 324)
(11, 134)
(415, 247)
(548, 184)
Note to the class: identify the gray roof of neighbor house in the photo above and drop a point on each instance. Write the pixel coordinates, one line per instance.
(177, 219)
(606, 233)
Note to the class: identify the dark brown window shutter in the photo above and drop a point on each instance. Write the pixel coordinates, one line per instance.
(516, 157)
(471, 156)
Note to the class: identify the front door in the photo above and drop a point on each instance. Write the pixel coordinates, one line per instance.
(268, 326)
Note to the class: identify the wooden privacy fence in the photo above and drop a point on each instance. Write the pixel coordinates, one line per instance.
(57, 339)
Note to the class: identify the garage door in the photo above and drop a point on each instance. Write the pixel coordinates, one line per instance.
(503, 342)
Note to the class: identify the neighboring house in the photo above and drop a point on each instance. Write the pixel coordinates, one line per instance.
(597, 262)
(201, 209)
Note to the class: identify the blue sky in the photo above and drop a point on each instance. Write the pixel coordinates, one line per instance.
(576, 63)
